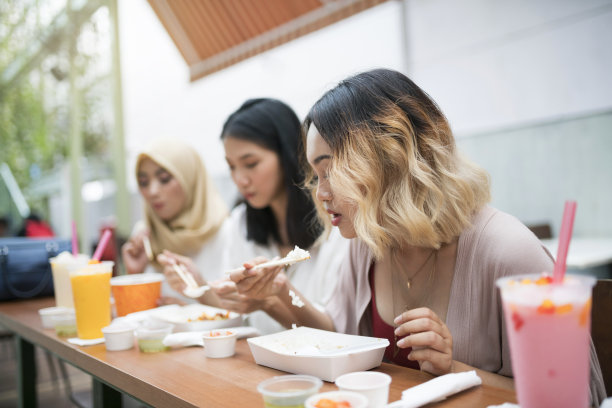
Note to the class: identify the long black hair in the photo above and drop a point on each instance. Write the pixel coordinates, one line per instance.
(273, 125)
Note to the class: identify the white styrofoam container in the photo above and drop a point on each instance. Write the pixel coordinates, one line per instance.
(321, 353)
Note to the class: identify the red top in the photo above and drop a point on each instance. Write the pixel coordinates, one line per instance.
(383, 330)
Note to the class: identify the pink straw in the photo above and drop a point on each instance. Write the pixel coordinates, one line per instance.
(564, 240)
(75, 242)
(101, 245)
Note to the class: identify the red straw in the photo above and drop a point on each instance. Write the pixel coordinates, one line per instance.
(101, 245)
(75, 243)
(564, 240)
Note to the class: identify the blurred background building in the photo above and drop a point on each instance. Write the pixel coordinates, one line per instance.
(525, 84)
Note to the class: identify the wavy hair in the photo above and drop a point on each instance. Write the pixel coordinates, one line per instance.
(394, 156)
(274, 126)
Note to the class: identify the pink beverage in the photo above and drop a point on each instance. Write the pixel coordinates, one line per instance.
(548, 328)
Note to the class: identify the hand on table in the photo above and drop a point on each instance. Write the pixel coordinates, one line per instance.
(429, 337)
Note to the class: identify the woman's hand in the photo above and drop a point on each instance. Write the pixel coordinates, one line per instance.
(167, 260)
(230, 299)
(134, 254)
(429, 337)
(259, 283)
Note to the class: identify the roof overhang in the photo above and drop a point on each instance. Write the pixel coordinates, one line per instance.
(214, 34)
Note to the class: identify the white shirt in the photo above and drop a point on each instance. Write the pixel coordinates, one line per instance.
(314, 278)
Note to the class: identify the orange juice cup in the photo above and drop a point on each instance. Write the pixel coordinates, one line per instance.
(91, 293)
(137, 292)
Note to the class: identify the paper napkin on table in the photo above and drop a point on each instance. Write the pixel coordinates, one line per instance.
(194, 338)
(436, 389)
(84, 342)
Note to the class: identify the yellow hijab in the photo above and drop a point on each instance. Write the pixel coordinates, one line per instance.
(204, 210)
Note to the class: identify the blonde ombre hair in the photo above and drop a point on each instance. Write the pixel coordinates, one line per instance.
(394, 156)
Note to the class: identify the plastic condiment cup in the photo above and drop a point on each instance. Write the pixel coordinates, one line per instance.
(288, 390)
(151, 335)
(355, 399)
(372, 384)
(119, 336)
(48, 312)
(65, 323)
(137, 292)
(219, 343)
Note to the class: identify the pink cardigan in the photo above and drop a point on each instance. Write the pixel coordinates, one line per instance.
(495, 245)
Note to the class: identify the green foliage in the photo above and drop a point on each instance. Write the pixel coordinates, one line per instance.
(35, 111)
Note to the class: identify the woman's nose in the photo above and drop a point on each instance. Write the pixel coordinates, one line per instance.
(323, 193)
(242, 179)
(154, 188)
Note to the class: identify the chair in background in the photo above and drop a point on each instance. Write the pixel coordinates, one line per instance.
(542, 231)
(601, 328)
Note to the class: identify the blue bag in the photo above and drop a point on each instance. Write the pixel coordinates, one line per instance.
(25, 271)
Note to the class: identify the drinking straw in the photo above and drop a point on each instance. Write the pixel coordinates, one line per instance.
(101, 245)
(564, 240)
(75, 242)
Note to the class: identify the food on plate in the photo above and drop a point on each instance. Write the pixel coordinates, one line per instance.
(206, 316)
(220, 333)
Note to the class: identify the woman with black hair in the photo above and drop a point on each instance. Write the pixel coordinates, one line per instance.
(264, 150)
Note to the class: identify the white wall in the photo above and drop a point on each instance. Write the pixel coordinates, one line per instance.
(526, 85)
(497, 63)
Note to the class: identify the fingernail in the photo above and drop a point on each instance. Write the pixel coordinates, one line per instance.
(397, 320)
(396, 331)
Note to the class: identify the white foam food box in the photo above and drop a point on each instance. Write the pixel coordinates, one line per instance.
(324, 354)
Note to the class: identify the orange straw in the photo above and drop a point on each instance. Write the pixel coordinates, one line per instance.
(101, 245)
(564, 240)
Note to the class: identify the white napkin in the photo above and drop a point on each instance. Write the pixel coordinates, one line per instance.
(194, 338)
(436, 389)
(83, 342)
(504, 405)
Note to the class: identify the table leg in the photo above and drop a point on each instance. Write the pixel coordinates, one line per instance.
(105, 396)
(26, 373)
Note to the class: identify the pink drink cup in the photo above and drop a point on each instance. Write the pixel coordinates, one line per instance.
(548, 328)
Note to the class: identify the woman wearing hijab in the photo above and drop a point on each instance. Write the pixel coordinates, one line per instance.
(184, 212)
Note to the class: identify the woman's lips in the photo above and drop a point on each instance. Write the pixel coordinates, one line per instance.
(335, 218)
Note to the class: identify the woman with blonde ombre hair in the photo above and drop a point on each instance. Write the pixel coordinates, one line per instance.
(428, 249)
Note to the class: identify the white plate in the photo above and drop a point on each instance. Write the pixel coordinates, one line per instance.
(321, 353)
(179, 316)
(185, 318)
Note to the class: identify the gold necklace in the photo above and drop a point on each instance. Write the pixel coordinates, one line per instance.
(409, 280)
(408, 285)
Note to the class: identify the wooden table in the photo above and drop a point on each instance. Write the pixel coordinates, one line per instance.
(181, 377)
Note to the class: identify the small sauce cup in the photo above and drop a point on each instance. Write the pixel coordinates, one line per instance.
(371, 384)
(219, 343)
(340, 399)
(65, 323)
(288, 390)
(48, 312)
(119, 336)
(151, 336)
